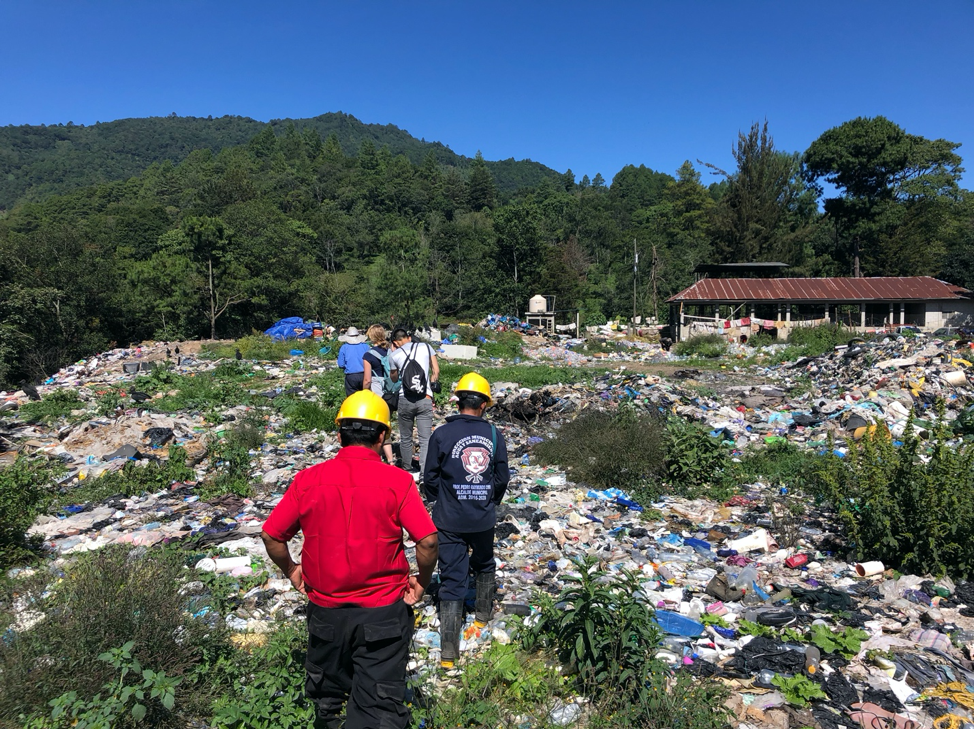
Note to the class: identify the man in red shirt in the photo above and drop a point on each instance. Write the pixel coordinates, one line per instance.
(352, 510)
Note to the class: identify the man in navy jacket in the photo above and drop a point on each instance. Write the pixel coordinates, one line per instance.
(466, 475)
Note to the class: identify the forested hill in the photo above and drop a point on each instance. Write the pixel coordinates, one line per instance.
(37, 161)
(290, 224)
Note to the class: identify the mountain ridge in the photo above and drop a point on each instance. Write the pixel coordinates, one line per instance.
(41, 160)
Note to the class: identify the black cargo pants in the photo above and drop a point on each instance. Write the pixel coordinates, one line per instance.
(358, 655)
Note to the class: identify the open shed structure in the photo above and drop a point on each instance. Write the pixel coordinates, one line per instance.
(743, 306)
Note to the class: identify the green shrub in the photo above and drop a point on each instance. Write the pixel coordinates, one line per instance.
(696, 462)
(819, 339)
(104, 598)
(331, 388)
(912, 507)
(606, 636)
(53, 406)
(762, 339)
(622, 449)
(663, 700)
(702, 345)
(24, 493)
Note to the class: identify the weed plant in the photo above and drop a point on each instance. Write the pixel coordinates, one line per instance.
(230, 466)
(912, 507)
(25, 492)
(762, 339)
(304, 415)
(777, 464)
(623, 449)
(505, 688)
(138, 694)
(267, 687)
(606, 636)
(709, 346)
(605, 628)
(104, 599)
(696, 462)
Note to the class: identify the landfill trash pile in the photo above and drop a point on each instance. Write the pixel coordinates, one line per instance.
(766, 605)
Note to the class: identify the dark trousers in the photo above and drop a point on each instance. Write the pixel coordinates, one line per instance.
(353, 383)
(358, 655)
(459, 553)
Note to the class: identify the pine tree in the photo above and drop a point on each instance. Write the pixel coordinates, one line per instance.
(481, 190)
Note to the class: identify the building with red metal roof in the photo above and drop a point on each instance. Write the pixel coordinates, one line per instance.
(742, 306)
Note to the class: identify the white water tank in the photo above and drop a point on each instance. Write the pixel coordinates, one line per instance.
(537, 305)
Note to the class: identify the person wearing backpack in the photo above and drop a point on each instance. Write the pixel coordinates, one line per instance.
(375, 377)
(414, 365)
(465, 478)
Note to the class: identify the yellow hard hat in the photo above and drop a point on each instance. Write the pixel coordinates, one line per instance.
(364, 405)
(472, 382)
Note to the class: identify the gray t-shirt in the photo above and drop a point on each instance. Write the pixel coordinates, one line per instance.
(422, 356)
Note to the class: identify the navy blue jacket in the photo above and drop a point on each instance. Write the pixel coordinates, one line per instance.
(463, 477)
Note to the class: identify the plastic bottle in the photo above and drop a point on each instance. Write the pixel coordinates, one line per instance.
(813, 657)
(746, 577)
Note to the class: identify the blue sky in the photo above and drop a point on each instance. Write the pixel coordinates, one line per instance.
(587, 86)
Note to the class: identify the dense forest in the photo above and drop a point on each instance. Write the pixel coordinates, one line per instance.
(293, 222)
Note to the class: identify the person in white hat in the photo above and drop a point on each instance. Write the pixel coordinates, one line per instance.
(350, 359)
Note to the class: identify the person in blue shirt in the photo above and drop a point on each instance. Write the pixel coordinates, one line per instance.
(350, 359)
(466, 475)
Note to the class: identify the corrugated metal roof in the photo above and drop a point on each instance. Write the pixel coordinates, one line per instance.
(888, 288)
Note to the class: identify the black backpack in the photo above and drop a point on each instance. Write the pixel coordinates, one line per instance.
(413, 376)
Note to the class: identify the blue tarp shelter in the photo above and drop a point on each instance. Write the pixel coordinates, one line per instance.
(293, 327)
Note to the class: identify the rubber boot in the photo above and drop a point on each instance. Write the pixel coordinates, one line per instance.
(485, 599)
(451, 620)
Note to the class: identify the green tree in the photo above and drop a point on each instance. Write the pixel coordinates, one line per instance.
(887, 179)
(765, 211)
(481, 190)
(225, 281)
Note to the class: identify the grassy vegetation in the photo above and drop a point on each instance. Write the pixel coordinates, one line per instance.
(491, 344)
(709, 346)
(778, 464)
(52, 407)
(623, 449)
(134, 478)
(261, 348)
(817, 340)
(104, 600)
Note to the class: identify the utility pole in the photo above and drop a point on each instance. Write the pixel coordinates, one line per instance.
(654, 276)
(635, 273)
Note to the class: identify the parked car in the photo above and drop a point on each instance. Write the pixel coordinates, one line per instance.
(944, 332)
